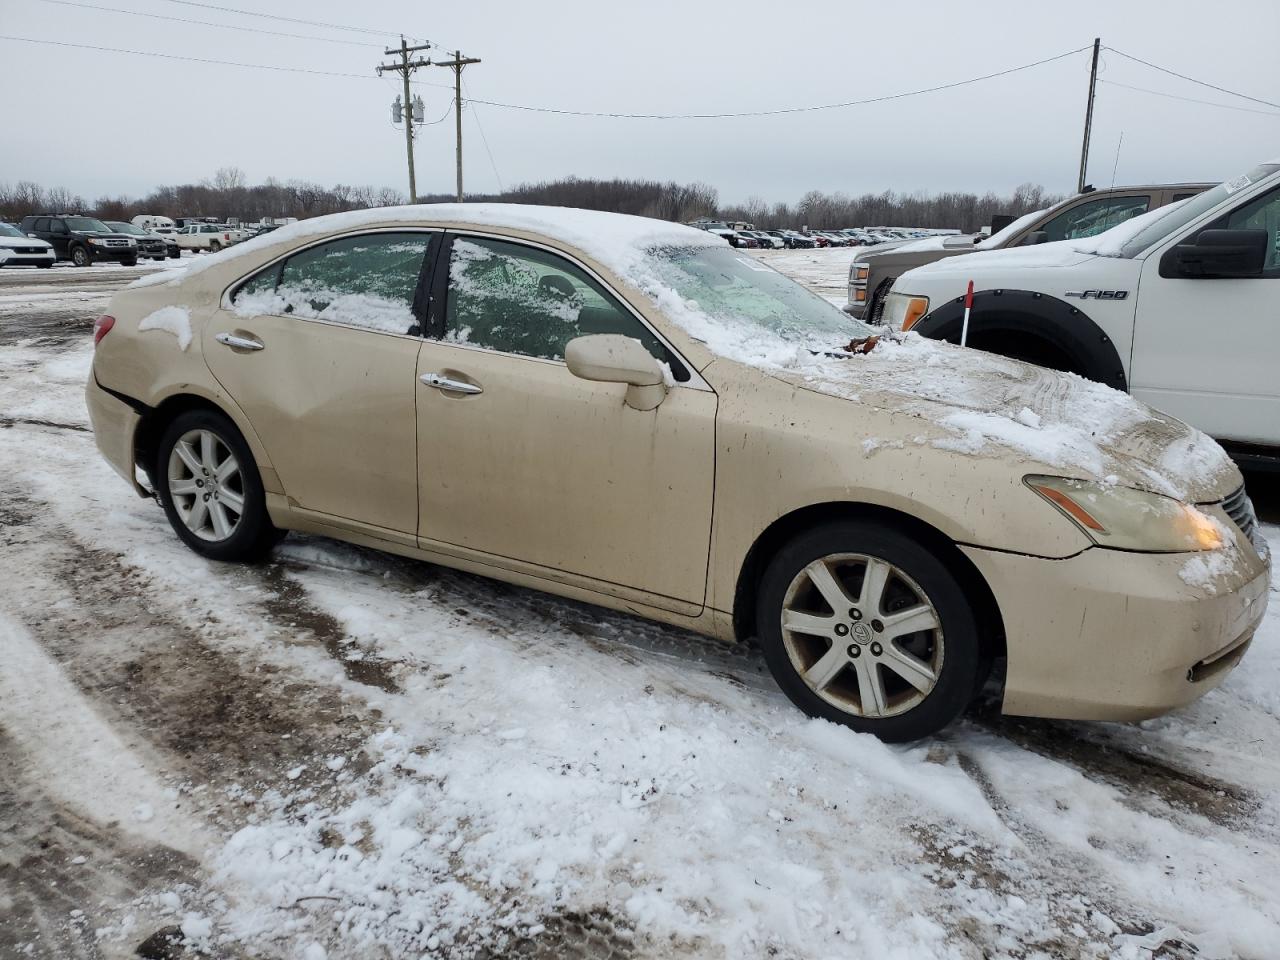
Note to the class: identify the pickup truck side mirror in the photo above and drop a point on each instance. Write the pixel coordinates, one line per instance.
(1035, 237)
(1218, 253)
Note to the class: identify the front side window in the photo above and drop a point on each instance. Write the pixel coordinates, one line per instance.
(517, 299)
(367, 281)
(1093, 217)
(1261, 213)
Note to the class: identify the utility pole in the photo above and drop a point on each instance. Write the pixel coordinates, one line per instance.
(405, 68)
(456, 64)
(1088, 115)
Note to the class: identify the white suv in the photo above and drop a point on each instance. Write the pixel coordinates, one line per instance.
(1180, 306)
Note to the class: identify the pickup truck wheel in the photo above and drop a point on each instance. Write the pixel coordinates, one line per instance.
(214, 246)
(865, 626)
(80, 257)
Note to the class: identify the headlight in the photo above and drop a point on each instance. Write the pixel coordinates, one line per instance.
(94, 241)
(1128, 519)
(901, 312)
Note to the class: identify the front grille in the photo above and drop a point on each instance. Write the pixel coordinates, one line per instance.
(28, 249)
(875, 305)
(117, 243)
(1239, 508)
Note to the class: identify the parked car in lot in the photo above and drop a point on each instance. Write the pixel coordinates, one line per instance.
(19, 250)
(170, 237)
(623, 411)
(209, 237)
(82, 240)
(1178, 306)
(152, 221)
(150, 246)
(794, 240)
(765, 239)
(1083, 215)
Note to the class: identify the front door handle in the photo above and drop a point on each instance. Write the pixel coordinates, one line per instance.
(453, 386)
(239, 343)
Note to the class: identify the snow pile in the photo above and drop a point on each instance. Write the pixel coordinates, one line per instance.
(173, 319)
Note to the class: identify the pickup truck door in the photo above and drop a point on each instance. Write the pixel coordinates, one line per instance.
(1204, 347)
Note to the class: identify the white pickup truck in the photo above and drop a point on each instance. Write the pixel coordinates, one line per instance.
(1179, 306)
(208, 236)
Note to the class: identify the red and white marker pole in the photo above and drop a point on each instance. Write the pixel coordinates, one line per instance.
(968, 306)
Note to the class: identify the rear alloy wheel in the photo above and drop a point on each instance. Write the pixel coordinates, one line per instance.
(210, 488)
(864, 626)
(215, 246)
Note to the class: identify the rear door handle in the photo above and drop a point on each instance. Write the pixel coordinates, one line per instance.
(454, 386)
(239, 343)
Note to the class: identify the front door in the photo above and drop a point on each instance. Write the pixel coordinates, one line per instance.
(533, 465)
(320, 351)
(1204, 348)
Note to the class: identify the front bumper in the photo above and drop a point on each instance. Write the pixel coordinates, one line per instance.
(115, 425)
(116, 254)
(1110, 635)
(10, 258)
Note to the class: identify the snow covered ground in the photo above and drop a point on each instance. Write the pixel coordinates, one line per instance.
(341, 754)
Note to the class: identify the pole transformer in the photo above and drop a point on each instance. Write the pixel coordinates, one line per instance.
(405, 68)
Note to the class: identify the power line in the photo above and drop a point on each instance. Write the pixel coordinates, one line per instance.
(1183, 76)
(175, 56)
(272, 16)
(483, 139)
(209, 23)
(782, 110)
(1174, 96)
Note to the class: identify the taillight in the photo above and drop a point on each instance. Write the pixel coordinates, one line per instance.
(102, 326)
(227, 237)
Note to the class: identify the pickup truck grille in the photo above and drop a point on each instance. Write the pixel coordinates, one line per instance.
(1239, 508)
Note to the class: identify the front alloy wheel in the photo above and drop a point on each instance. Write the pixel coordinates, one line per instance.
(862, 635)
(864, 625)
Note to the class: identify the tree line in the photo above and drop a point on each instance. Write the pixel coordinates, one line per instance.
(227, 194)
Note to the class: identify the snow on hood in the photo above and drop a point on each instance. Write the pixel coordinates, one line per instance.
(615, 239)
(11, 242)
(983, 402)
(1062, 253)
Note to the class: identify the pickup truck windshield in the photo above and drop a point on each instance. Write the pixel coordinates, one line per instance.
(1180, 214)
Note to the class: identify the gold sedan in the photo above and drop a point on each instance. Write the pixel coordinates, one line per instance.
(631, 413)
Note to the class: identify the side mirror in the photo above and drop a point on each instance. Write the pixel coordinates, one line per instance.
(1035, 237)
(1218, 253)
(34, 236)
(613, 358)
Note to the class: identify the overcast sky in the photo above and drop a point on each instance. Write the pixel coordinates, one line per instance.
(110, 123)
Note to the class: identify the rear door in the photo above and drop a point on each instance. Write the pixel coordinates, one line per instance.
(320, 350)
(535, 468)
(1204, 348)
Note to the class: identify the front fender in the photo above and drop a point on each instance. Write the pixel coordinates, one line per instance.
(1025, 313)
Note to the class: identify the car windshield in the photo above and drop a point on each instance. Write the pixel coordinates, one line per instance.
(8, 231)
(126, 228)
(1178, 215)
(733, 288)
(87, 225)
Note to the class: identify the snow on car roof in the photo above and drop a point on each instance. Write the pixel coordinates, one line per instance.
(615, 239)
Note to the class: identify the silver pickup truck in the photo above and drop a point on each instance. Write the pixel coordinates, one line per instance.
(872, 272)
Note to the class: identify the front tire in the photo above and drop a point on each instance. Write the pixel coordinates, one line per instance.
(81, 257)
(210, 488)
(864, 626)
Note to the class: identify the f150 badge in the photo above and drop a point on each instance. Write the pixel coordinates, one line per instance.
(1098, 294)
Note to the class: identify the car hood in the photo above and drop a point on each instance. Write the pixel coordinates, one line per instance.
(1063, 253)
(10, 242)
(978, 404)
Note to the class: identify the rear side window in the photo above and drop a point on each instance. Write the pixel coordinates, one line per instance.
(1094, 216)
(369, 281)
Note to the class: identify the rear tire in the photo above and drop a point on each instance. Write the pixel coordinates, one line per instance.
(215, 246)
(210, 489)
(842, 657)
